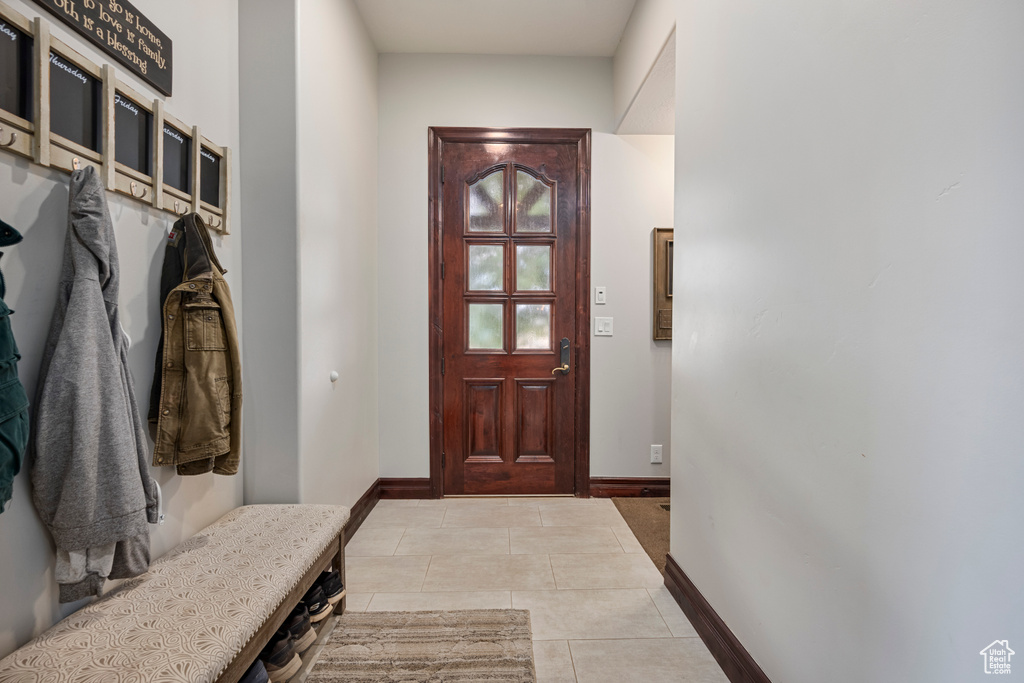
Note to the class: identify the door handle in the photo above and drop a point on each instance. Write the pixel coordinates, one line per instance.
(564, 349)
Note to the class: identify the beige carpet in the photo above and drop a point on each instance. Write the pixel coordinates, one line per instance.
(648, 518)
(463, 645)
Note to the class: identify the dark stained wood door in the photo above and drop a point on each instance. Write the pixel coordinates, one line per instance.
(510, 266)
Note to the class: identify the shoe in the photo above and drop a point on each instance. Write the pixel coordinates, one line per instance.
(333, 588)
(317, 604)
(299, 627)
(257, 673)
(279, 657)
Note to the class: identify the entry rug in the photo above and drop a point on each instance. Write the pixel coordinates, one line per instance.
(413, 647)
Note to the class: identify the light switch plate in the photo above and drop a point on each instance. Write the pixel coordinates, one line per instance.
(600, 295)
(602, 327)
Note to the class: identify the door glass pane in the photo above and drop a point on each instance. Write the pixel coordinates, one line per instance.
(486, 326)
(533, 267)
(486, 203)
(533, 204)
(533, 326)
(486, 267)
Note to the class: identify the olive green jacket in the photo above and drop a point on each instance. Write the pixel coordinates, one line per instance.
(196, 406)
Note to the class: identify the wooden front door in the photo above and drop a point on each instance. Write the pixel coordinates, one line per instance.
(510, 311)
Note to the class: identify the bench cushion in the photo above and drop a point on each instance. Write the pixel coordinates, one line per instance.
(193, 611)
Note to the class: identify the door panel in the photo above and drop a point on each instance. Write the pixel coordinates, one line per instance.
(509, 224)
(483, 420)
(535, 420)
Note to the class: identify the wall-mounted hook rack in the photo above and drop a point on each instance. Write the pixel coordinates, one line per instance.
(137, 148)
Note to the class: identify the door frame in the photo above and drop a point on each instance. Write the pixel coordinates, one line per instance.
(437, 137)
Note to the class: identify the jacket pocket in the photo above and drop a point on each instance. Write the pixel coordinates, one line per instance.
(224, 397)
(204, 326)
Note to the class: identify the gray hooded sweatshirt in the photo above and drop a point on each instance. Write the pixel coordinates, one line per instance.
(90, 473)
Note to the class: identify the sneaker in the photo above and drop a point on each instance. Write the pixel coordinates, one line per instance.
(279, 657)
(299, 627)
(334, 589)
(257, 673)
(317, 604)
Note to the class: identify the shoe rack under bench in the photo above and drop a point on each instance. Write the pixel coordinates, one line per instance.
(333, 556)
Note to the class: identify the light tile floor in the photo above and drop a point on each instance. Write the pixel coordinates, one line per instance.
(598, 607)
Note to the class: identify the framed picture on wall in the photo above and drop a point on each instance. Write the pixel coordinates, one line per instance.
(664, 252)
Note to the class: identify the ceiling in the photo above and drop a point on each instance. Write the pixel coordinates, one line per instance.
(581, 28)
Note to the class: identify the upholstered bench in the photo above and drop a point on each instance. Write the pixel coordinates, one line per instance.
(202, 612)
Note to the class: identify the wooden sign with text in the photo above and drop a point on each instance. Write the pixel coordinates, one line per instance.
(121, 30)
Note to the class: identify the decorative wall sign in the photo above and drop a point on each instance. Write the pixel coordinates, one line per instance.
(15, 71)
(133, 136)
(122, 31)
(75, 103)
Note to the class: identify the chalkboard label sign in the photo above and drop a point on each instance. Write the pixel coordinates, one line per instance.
(15, 71)
(209, 177)
(177, 159)
(120, 29)
(133, 137)
(75, 98)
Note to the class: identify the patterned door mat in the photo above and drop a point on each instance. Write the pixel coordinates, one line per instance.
(450, 646)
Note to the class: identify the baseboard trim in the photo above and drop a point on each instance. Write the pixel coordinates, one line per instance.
(410, 488)
(629, 487)
(361, 509)
(736, 662)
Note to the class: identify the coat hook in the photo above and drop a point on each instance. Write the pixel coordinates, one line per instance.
(180, 213)
(14, 137)
(76, 163)
(138, 196)
(219, 223)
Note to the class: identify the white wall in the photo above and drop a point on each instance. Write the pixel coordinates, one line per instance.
(337, 127)
(631, 195)
(848, 377)
(268, 56)
(34, 201)
(648, 30)
(309, 156)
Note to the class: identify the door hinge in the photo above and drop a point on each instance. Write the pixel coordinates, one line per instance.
(442, 460)
(442, 366)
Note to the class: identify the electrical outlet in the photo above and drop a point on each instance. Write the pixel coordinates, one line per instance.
(656, 454)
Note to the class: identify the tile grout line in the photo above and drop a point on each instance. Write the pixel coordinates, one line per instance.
(424, 582)
(660, 613)
(394, 553)
(572, 660)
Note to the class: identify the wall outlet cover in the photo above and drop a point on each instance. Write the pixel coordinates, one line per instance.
(656, 452)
